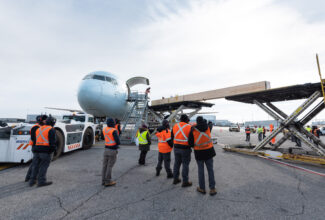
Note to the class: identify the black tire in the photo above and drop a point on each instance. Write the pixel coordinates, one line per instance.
(59, 145)
(88, 139)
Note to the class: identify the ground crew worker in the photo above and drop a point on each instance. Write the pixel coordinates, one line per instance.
(45, 145)
(308, 128)
(200, 139)
(315, 131)
(260, 133)
(143, 136)
(165, 146)
(118, 126)
(112, 142)
(271, 130)
(40, 120)
(182, 150)
(248, 133)
(264, 131)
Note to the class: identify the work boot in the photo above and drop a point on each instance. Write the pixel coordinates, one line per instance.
(176, 181)
(200, 190)
(187, 184)
(112, 183)
(213, 192)
(158, 172)
(170, 175)
(31, 183)
(26, 179)
(44, 184)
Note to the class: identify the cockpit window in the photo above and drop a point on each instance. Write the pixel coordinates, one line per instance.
(89, 76)
(102, 78)
(111, 80)
(99, 77)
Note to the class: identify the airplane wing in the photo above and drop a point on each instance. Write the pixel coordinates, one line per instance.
(66, 109)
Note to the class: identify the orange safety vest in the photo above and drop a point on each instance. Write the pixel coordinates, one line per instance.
(315, 133)
(30, 132)
(247, 130)
(109, 138)
(116, 127)
(181, 132)
(42, 135)
(163, 137)
(202, 140)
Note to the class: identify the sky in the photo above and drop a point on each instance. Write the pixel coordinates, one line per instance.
(182, 46)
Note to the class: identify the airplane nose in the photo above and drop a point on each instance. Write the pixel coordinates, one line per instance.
(89, 93)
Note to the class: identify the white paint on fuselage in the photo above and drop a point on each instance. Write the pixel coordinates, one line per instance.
(103, 98)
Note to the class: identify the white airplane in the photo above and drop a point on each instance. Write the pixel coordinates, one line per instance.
(101, 94)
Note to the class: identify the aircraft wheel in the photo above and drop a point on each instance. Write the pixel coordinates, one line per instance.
(88, 139)
(59, 144)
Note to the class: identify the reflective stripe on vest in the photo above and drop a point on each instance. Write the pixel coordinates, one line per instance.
(42, 135)
(142, 137)
(109, 138)
(197, 138)
(30, 132)
(181, 131)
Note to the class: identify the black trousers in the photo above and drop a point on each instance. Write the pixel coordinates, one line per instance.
(142, 159)
(40, 164)
(29, 172)
(164, 157)
(248, 136)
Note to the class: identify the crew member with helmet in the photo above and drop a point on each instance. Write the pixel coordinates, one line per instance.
(40, 120)
(165, 146)
(248, 133)
(200, 139)
(182, 150)
(45, 145)
(112, 142)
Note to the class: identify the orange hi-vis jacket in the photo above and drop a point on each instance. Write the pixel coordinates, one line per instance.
(42, 135)
(116, 127)
(181, 132)
(30, 141)
(202, 140)
(247, 130)
(163, 137)
(109, 138)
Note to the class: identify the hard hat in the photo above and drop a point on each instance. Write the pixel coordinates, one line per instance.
(50, 121)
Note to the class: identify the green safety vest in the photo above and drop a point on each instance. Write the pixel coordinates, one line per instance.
(142, 138)
(308, 129)
(259, 130)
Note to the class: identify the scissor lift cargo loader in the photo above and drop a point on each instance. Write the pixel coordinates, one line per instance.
(264, 99)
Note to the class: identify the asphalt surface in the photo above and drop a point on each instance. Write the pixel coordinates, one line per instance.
(248, 188)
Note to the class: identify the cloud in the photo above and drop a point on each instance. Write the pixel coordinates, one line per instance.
(216, 44)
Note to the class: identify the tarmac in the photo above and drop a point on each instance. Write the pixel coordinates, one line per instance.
(248, 188)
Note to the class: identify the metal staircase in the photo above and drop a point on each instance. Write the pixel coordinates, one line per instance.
(134, 117)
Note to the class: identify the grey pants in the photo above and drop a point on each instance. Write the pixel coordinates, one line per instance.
(40, 164)
(164, 157)
(108, 163)
(260, 136)
(209, 165)
(182, 157)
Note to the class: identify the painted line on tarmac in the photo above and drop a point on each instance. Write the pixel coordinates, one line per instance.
(6, 166)
(293, 166)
